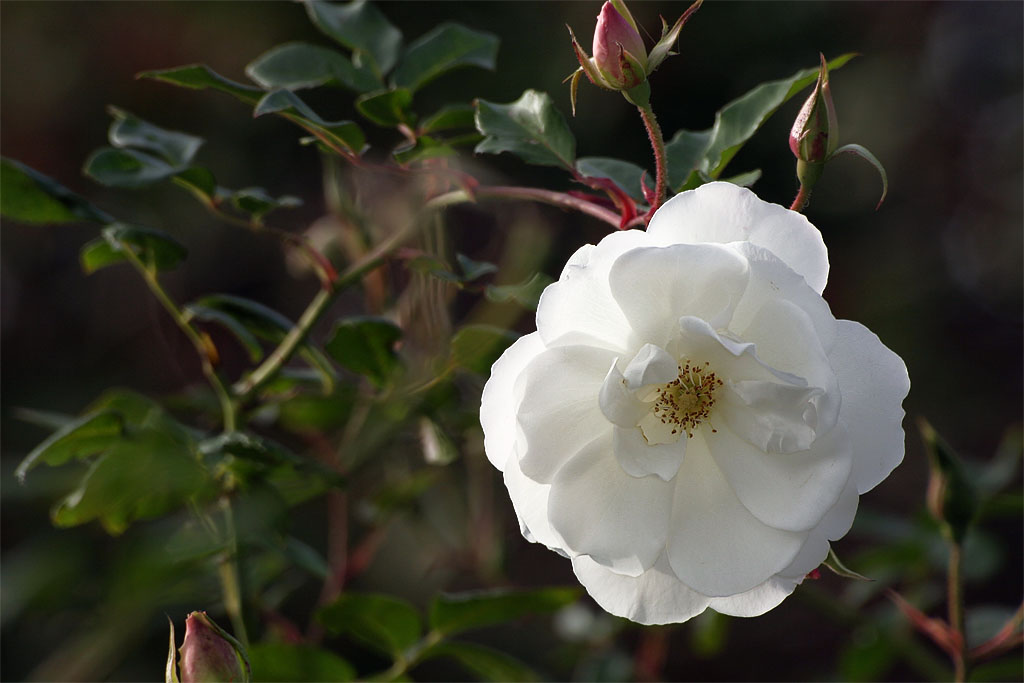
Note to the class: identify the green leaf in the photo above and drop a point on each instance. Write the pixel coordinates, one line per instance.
(128, 130)
(201, 77)
(142, 476)
(447, 47)
(249, 447)
(29, 196)
(387, 107)
(486, 663)
(80, 438)
(740, 119)
(952, 499)
(237, 327)
(451, 117)
(256, 202)
(455, 613)
(361, 27)
(286, 103)
(294, 66)
(867, 156)
(472, 270)
(297, 662)
(128, 168)
(199, 181)
(745, 179)
(833, 562)
(155, 248)
(305, 557)
(171, 668)
(623, 173)
(683, 153)
(425, 147)
(476, 347)
(526, 293)
(380, 621)
(98, 253)
(365, 345)
(531, 128)
(436, 445)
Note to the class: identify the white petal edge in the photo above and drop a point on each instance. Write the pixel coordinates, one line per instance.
(723, 212)
(873, 381)
(497, 403)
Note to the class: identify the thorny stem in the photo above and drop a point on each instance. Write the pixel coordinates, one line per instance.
(561, 199)
(201, 343)
(801, 199)
(955, 590)
(658, 145)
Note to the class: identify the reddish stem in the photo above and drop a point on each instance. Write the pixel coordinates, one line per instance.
(802, 197)
(561, 199)
(658, 145)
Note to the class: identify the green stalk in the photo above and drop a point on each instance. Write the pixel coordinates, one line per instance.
(229, 580)
(202, 346)
(955, 590)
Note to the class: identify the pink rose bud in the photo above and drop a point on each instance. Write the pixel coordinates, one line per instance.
(206, 656)
(619, 52)
(815, 133)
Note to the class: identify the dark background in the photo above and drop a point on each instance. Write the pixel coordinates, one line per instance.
(936, 272)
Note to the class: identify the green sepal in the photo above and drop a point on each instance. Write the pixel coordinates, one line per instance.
(662, 49)
(836, 565)
(952, 498)
(871, 159)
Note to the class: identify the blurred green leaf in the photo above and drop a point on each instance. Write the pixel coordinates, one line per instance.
(387, 107)
(141, 476)
(29, 196)
(199, 181)
(249, 447)
(448, 118)
(128, 130)
(307, 414)
(201, 77)
(683, 154)
(294, 66)
(80, 438)
(487, 663)
(155, 248)
(455, 613)
(526, 293)
(709, 634)
(952, 499)
(128, 168)
(472, 270)
(365, 345)
(425, 147)
(256, 202)
(447, 47)
(304, 556)
(737, 121)
(274, 661)
(436, 445)
(237, 327)
(1001, 470)
(744, 179)
(623, 173)
(383, 622)
(531, 128)
(285, 102)
(476, 347)
(361, 27)
(171, 668)
(868, 656)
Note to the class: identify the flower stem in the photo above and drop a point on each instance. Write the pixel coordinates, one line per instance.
(658, 145)
(228, 569)
(204, 348)
(955, 590)
(801, 199)
(566, 201)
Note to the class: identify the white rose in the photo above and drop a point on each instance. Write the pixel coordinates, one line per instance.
(689, 423)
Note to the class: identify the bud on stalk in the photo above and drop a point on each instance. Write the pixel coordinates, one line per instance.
(209, 654)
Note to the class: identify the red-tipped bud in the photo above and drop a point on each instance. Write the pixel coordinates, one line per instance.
(206, 656)
(619, 52)
(815, 133)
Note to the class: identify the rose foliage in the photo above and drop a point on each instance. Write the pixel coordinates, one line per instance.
(690, 424)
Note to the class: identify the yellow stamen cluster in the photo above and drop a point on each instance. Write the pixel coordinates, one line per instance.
(687, 400)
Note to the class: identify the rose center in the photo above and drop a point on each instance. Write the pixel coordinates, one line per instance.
(683, 404)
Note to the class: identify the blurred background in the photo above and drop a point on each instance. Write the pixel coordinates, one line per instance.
(936, 95)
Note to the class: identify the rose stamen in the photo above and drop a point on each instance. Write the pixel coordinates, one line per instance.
(686, 401)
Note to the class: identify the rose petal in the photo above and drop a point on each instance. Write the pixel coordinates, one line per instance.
(650, 365)
(639, 458)
(757, 600)
(716, 546)
(790, 491)
(654, 597)
(833, 526)
(530, 502)
(772, 416)
(656, 286)
(579, 308)
(497, 404)
(619, 520)
(873, 381)
(618, 403)
(723, 212)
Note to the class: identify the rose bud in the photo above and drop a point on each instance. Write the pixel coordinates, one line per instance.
(207, 655)
(619, 52)
(815, 133)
